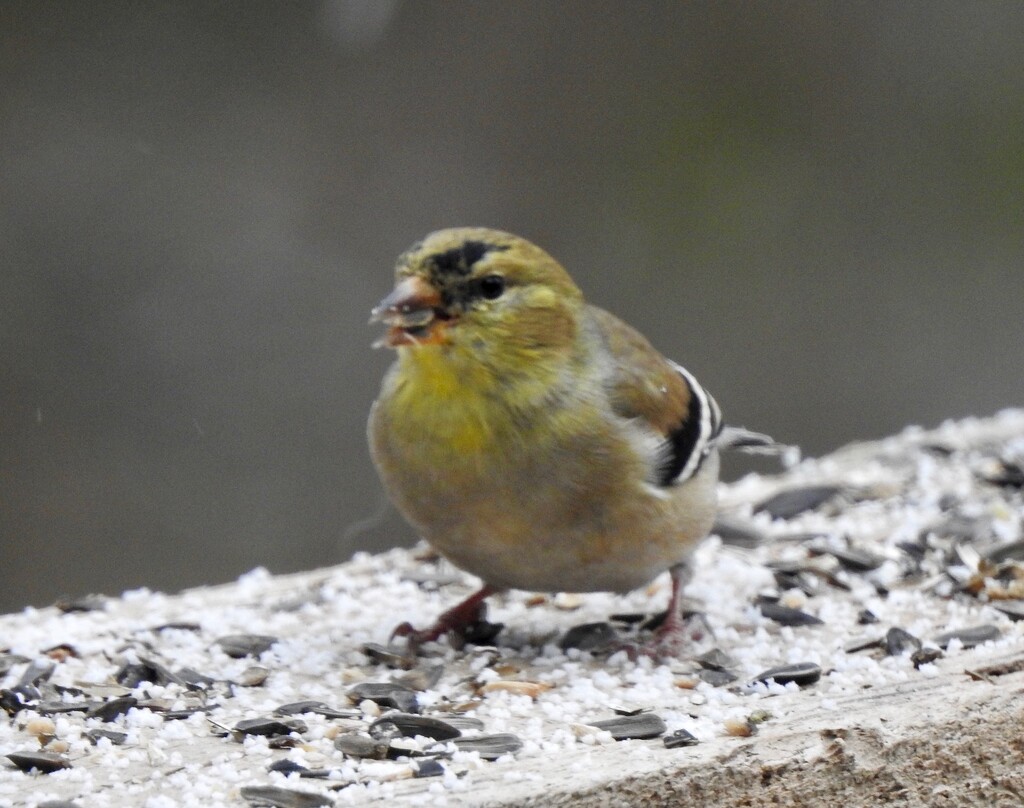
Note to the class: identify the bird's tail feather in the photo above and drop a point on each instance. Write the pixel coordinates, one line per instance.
(735, 438)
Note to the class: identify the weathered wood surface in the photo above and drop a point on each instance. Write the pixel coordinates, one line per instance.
(873, 730)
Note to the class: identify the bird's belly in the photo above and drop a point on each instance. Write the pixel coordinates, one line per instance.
(571, 514)
(571, 540)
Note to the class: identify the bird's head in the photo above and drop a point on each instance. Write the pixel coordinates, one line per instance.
(475, 291)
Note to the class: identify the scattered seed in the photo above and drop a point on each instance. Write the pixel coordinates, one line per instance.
(429, 768)
(253, 676)
(179, 626)
(316, 774)
(786, 616)
(424, 552)
(35, 674)
(864, 643)
(1009, 475)
(490, 747)
(238, 646)
(317, 708)
(275, 797)
(156, 705)
(697, 625)
(357, 745)
(898, 641)
(922, 656)
(284, 742)
(131, 675)
(42, 728)
(463, 722)
(12, 702)
(794, 501)
(853, 559)
(518, 688)
(57, 746)
(739, 727)
(627, 727)
(568, 601)
(286, 766)
(589, 637)
(8, 661)
(958, 527)
(679, 739)
(400, 747)
(1012, 551)
(717, 678)
(737, 532)
(389, 656)
(480, 632)
(369, 709)
(112, 709)
(409, 725)
(915, 550)
(62, 652)
(969, 637)
(116, 738)
(1014, 609)
(45, 762)
(759, 716)
(1002, 668)
(422, 678)
(63, 707)
(187, 712)
(386, 694)
(654, 621)
(194, 680)
(807, 537)
(716, 660)
(802, 673)
(629, 619)
(796, 579)
(87, 603)
(270, 727)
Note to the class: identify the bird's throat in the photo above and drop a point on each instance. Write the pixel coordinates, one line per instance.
(451, 395)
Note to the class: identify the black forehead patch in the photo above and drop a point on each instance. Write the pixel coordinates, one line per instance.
(460, 260)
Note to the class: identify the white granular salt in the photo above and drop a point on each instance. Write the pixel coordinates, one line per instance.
(322, 618)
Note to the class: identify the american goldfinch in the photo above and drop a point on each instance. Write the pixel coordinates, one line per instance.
(533, 439)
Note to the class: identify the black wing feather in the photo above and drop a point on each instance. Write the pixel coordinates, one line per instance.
(687, 445)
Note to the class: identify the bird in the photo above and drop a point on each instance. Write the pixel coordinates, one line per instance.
(533, 439)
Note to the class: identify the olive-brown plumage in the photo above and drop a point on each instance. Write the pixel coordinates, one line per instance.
(534, 440)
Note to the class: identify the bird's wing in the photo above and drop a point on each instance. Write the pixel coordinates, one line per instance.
(643, 385)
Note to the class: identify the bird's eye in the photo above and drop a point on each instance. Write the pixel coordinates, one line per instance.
(492, 287)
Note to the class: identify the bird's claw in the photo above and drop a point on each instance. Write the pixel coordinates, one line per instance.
(672, 640)
(462, 623)
(414, 637)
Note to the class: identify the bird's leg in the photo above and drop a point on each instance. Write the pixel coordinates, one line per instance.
(457, 621)
(676, 632)
(672, 635)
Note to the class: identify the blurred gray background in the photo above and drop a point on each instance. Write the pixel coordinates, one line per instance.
(818, 207)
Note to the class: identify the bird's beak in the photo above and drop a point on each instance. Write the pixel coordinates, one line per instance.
(410, 311)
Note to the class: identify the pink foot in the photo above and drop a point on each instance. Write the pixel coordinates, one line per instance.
(458, 623)
(677, 633)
